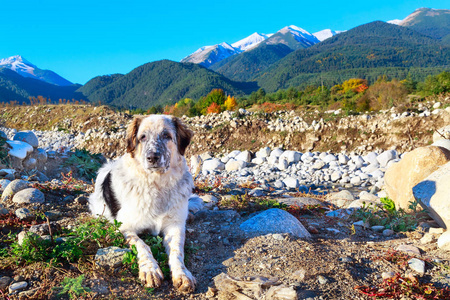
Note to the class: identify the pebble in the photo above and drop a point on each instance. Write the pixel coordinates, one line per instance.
(387, 275)
(24, 214)
(417, 265)
(4, 282)
(17, 286)
(322, 279)
(388, 232)
(410, 249)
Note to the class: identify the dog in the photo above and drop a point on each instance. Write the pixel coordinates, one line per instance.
(148, 189)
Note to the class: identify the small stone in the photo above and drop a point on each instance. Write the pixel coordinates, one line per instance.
(110, 256)
(17, 286)
(29, 195)
(427, 238)
(24, 214)
(299, 275)
(410, 249)
(387, 275)
(417, 265)
(322, 279)
(436, 230)
(346, 259)
(388, 232)
(377, 228)
(14, 187)
(4, 282)
(444, 241)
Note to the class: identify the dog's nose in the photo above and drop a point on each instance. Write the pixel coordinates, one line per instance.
(153, 157)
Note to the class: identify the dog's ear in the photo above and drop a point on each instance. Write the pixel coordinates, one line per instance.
(132, 135)
(184, 135)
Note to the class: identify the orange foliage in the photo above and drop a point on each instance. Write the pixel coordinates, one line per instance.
(269, 107)
(214, 108)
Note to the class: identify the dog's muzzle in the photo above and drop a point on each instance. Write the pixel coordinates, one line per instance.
(156, 161)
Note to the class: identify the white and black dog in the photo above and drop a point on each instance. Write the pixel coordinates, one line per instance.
(148, 189)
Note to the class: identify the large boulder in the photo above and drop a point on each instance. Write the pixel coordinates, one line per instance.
(414, 167)
(433, 192)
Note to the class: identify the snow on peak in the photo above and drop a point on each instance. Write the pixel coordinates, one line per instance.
(251, 41)
(299, 34)
(325, 34)
(395, 22)
(26, 69)
(18, 64)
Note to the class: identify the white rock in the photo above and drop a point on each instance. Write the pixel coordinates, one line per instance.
(19, 149)
(386, 156)
(336, 175)
(343, 159)
(263, 152)
(234, 165)
(371, 158)
(291, 182)
(444, 241)
(259, 160)
(213, 164)
(244, 156)
(291, 156)
(329, 158)
(356, 180)
(282, 164)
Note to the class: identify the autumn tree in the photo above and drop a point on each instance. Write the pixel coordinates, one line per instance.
(230, 103)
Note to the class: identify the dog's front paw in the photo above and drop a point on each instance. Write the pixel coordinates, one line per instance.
(184, 282)
(150, 274)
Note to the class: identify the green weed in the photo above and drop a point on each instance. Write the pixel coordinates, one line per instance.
(86, 238)
(388, 216)
(86, 163)
(73, 287)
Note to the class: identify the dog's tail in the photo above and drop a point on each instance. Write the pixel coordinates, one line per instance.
(195, 203)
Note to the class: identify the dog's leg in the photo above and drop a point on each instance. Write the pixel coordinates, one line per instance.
(174, 244)
(149, 272)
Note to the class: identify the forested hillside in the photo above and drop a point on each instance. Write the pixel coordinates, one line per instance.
(159, 83)
(376, 47)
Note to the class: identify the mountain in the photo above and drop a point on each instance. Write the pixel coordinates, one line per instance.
(292, 36)
(209, 55)
(370, 48)
(247, 65)
(325, 34)
(23, 67)
(434, 23)
(160, 83)
(14, 87)
(251, 41)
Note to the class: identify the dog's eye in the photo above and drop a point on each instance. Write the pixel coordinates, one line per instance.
(166, 136)
(142, 137)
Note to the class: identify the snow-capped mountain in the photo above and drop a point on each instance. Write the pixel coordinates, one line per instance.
(26, 69)
(251, 41)
(292, 36)
(325, 34)
(300, 34)
(209, 55)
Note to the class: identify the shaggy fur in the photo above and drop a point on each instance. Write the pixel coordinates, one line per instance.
(148, 189)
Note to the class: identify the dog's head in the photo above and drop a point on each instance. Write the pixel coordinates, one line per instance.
(156, 139)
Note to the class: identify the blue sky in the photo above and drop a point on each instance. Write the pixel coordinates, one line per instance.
(83, 39)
